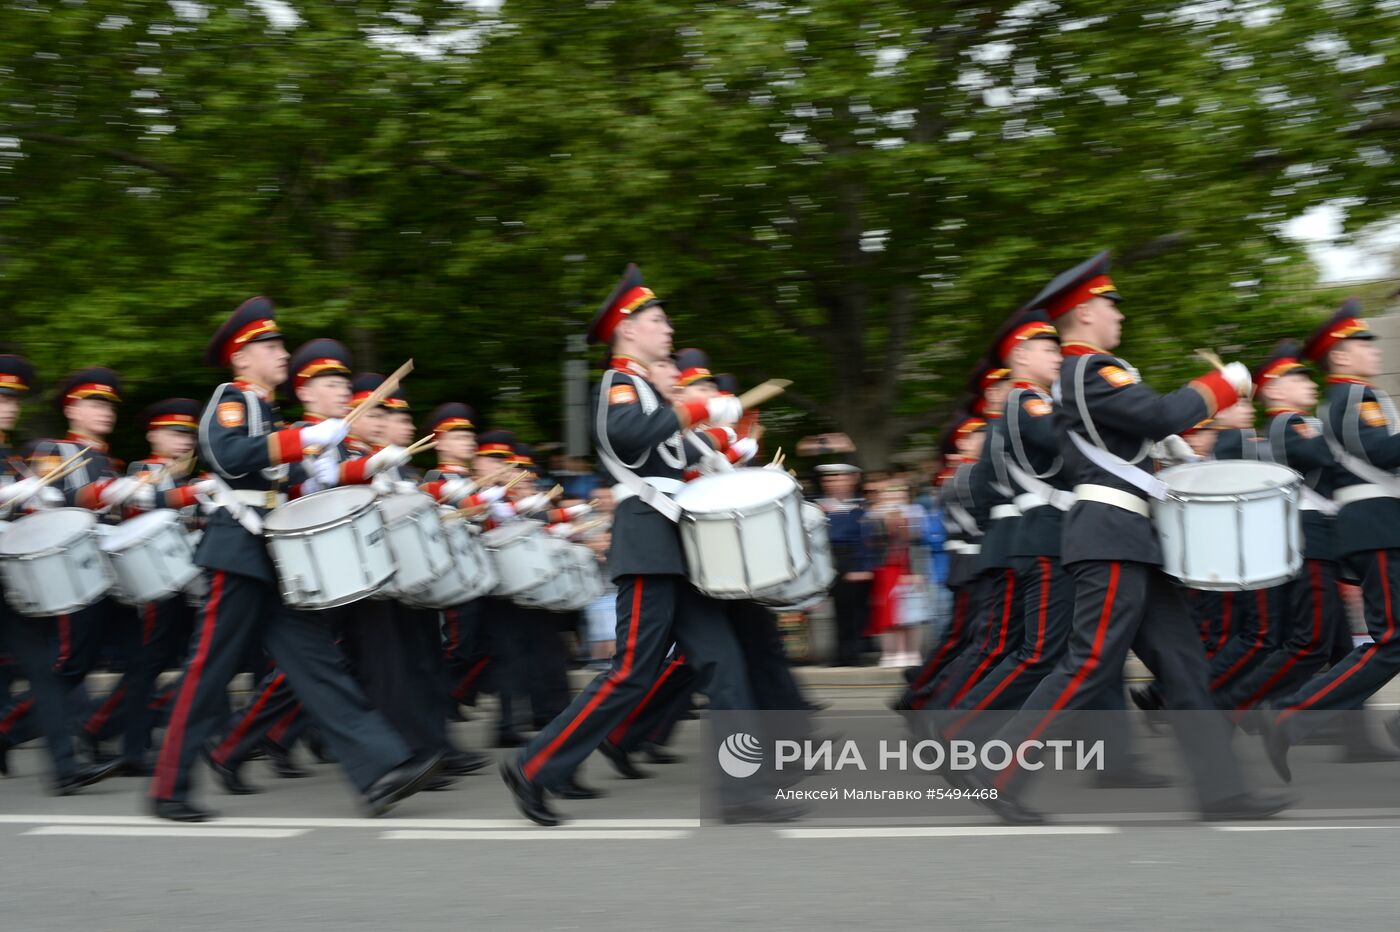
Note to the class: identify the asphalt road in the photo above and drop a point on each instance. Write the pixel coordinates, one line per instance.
(299, 857)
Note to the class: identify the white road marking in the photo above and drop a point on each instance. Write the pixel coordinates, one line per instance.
(168, 831)
(1296, 828)
(532, 834)
(971, 831)
(427, 824)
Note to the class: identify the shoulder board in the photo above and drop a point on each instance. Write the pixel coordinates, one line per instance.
(622, 395)
(1036, 406)
(1116, 376)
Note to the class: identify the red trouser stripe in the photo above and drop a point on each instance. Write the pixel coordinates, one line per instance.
(993, 654)
(1091, 663)
(466, 684)
(619, 674)
(245, 721)
(618, 733)
(148, 623)
(168, 766)
(950, 641)
(1041, 619)
(104, 712)
(278, 731)
(65, 640)
(1314, 639)
(1261, 638)
(454, 630)
(19, 711)
(1367, 655)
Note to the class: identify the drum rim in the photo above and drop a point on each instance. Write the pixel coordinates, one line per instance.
(342, 491)
(89, 526)
(157, 525)
(794, 488)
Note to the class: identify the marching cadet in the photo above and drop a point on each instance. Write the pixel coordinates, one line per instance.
(1108, 420)
(164, 626)
(1359, 426)
(242, 440)
(31, 638)
(640, 444)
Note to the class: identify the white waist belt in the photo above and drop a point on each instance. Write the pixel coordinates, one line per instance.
(971, 549)
(257, 499)
(1005, 511)
(1029, 501)
(666, 486)
(1359, 493)
(1107, 495)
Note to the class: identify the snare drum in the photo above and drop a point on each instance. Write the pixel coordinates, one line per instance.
(573, 582)
(811, 587)
(521, 557)
(329, 548)
(743, 533)
(151, 557)
(420, 549)
(1230, 525)
(470, 575)
(51, 562)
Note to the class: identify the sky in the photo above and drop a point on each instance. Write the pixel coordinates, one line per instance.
(1365, 257)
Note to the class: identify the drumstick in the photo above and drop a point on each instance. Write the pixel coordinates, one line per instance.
(377, 396)
(475, 509)
(494, 477)
(63, 468)
(765, 392)
(1214, 359)
(418, 446)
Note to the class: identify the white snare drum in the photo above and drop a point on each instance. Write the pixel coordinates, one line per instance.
(420, 549)
(1230, 525)
(151, 557)
(521, 557)
(329, 548)
(573, 581)
(810, 587)
(742, 532)
(470, 575)
(51, 562)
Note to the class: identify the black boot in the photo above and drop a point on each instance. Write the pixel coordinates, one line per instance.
(529, 797)
(281, 760)
(621, 762)
(400, 783)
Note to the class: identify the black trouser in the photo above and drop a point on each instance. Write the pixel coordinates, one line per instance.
(1217, 615)
(961, 634)
(1121, 606)
(238, 612)
(422, 634)
(665, 703)
(1350, 682)
(381, 650)
(1249, 643)
(1000, 635)
(30, 640)
(652, 612)
(851, 603)
(771, 682)
(542, 662)
(464, 651)
(273, 701)
(1315, 613)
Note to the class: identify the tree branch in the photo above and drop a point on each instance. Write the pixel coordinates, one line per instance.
(118, 155)
(1154, 248)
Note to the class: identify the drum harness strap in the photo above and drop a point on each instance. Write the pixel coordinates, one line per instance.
(1311, 499)
(242, 504)
(654, 491)
(960, 511)
(1099, 454)
(1378, 482)
(1038, 491)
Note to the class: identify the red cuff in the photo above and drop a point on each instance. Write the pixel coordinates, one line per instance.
(433, 488)
(720, 436)
(691, 475)
(733, 455)
(1217, 391)
(90, 495)
(692, 412)
(355, 472)
(284, 446)
(182, 497)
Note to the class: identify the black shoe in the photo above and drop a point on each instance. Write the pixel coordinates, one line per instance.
(904, 702)
(4, 759)
(229, 778)
(281, 760)
(459, 763)
(1002, 805)
(93, 746)
(621, 762)
(750, 813)
(1276, 744)
(529, 798)
(400, 783)
(1146, 698)
(177, 810)
(86, 775)
(572, 789)
(1246, 806)
(509, 739)
(317, 746)
(1133, 778)
(136, 768)
(656, 754)
(439, 783)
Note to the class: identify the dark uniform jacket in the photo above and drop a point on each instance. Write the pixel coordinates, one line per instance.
(991, 488)
(244, 442)
(961, 505)
(1105, 404)
(1296, 441)
(1033, 445)
(1362, 420)
(81, 488)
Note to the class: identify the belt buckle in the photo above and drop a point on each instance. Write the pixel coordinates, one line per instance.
(271, 499)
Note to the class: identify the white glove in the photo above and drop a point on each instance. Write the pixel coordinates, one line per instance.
(744, 450)
(49, 497)
(325, 470)
(383, 484)
(712, 463)
(563, 531)
(494, 494)
(19, 491)
(128, 490)
(386, 459)
(724, 410)
(1237, 374)
(327, 433)
(205, 487)
(454, 490)
(537, 502)
(1174, 449)
(578, 511)
(502, 512)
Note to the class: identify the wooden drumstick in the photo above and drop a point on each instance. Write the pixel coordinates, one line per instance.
(765, 392)
(1212, 357)
(63, 468)
(418, 446)
(376, 397)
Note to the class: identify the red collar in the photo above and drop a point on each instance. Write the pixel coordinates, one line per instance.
(262, 391)
(1275, 412)
(1347, 380)
(74, 437)
(1076, 348)
(1027, 383)
(445, 466)
(310, 418)
(629, 365)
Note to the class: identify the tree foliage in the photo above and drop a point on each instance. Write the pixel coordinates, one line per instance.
(851, 194)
